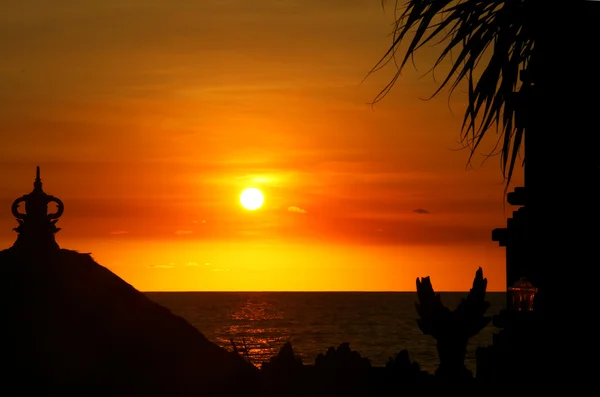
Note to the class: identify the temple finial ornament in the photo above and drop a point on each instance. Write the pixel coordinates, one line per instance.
(36, 226)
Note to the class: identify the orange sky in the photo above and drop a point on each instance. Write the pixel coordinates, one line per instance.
(148, 119)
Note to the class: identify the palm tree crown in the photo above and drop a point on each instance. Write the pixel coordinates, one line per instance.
(496, 33)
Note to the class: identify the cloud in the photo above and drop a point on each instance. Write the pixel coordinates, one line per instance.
(207, 264)
(116, 232)
(169, 265)
(183, 232)
(421, 211)
(192, 264)
(296, 209)
(217, 270)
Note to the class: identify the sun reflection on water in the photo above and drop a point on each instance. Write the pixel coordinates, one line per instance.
(254, 330)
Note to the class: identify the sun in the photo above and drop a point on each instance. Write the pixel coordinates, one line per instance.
(252, 199)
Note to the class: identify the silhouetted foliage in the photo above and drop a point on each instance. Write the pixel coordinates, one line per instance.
(493, 37)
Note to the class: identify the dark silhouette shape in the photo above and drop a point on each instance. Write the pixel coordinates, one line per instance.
(401, 372)
(36, 226)
(517, 350)
(515, 238)
(70, 326)
(286, 358)
(421, 211)
(340, 372)
(452, 329)
(342, 357)
(343, 372)
(285, 375)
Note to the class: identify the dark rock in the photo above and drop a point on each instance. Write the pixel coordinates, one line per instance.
(285, 375)
(343, 372)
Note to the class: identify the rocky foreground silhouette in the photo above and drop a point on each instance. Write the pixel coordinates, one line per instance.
(71, 325)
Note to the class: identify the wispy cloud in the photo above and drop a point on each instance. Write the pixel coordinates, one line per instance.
(169, 265)
(421, 211)
(116, 232)
(183, 232)
(297, 209)
(192, 264)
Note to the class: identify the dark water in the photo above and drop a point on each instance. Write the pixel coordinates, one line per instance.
(376, 324)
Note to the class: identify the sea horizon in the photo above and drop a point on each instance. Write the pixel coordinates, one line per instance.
(376, 324)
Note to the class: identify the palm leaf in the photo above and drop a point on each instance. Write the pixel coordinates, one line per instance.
(472, 28)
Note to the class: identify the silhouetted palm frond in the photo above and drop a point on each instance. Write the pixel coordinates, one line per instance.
(473, 29)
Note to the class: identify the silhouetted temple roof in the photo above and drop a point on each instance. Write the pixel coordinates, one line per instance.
(36, 227)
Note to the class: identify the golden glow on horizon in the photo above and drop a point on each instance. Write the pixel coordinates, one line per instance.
(252, 199)
(177, 125)
(196, 265)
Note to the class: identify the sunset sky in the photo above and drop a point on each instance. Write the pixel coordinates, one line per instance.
(148, 119)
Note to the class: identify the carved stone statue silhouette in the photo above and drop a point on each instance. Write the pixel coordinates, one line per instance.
(36, 227)
(452, 329)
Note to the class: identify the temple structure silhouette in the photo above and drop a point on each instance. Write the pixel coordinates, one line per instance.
(37, 227)
(519, 324)
(521, 271)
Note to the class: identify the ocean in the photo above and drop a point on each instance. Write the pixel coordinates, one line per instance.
(376, 324)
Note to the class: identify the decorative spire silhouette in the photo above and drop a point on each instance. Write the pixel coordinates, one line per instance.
(36, 226)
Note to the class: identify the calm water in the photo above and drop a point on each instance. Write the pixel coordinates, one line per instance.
(377, 325)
